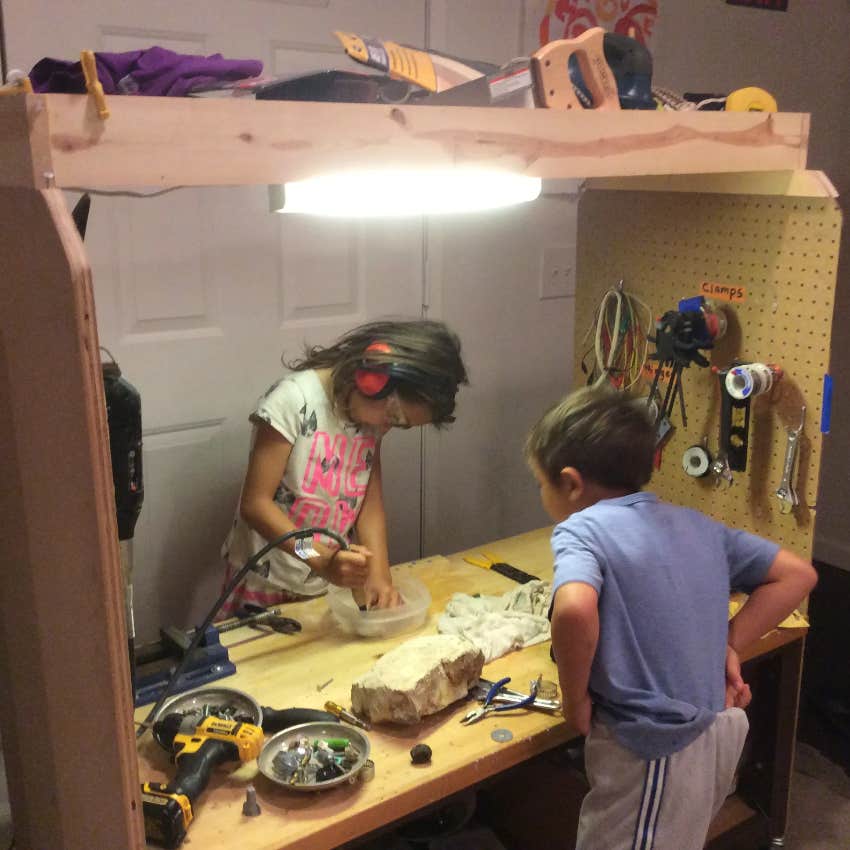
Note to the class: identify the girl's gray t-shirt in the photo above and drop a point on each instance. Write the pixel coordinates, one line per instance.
(324, 482)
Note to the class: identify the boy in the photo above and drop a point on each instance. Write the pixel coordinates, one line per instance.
(640, 629)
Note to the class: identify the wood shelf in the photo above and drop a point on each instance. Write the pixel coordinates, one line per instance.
(59, 140)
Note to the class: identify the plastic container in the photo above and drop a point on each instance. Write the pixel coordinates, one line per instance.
(382, 622)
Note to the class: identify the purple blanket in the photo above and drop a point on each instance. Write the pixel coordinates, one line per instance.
(155, 71)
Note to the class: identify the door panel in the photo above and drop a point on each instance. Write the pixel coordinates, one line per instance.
(200, 292)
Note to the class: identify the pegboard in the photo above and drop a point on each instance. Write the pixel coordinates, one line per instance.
(781, 254)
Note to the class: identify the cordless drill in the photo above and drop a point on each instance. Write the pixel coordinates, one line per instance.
(198, 749)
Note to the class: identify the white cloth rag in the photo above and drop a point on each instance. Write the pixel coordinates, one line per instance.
(498, 625)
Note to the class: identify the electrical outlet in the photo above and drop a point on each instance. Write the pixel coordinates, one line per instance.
(557, 272)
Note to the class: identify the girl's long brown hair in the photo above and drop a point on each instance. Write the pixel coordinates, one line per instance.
(427, 347)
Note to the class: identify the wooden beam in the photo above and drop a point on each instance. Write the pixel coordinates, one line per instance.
(213, 141)
(66, 709)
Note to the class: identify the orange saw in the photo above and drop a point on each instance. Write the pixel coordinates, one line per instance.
(543, 80)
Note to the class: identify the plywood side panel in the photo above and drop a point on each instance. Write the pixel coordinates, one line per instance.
(783, 251)
(66, 708)
(24, 155)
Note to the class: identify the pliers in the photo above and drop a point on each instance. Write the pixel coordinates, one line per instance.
(490, 562)
(489, 707)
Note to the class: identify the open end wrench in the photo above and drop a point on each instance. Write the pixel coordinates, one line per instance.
(786, 492)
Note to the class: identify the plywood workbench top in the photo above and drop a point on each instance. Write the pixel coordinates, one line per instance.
(283, 671)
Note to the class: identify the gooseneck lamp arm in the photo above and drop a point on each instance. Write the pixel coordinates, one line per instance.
(298, 533)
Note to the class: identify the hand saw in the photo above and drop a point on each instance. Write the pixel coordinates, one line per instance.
(542, 80)
(431, 71)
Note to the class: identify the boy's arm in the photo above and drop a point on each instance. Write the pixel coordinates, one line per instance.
(371, 528)
(575, 634)
(788, 581)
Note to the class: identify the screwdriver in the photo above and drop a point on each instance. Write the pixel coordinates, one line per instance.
(341, 714)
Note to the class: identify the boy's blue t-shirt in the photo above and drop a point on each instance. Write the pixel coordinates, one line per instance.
(663, 574)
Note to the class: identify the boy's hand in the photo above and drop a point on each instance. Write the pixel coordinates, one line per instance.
(346, 567)
(578, 713)
(738, 694)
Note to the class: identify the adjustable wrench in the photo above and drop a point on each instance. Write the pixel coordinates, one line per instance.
(786, 492)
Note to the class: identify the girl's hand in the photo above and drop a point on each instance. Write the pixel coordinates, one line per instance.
(380, 593)
(346, 567)
(578, 713)
(738, 694)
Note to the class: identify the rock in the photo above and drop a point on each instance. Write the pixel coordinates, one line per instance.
(418, 678)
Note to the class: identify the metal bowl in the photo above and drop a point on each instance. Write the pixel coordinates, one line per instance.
(194, 702)
(281, 741)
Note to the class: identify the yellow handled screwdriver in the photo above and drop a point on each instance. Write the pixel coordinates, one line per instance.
(342, 714)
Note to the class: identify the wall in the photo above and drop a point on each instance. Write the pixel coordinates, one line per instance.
(803, 58)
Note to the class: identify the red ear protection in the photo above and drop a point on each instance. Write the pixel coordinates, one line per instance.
(373, 382)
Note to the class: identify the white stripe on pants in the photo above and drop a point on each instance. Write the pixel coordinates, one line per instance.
(665, 804)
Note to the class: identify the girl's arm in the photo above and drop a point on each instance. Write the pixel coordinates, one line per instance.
(575, 634)
(257, 507)
(372, 533)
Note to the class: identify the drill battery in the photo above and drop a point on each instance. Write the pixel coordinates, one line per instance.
(167, 816)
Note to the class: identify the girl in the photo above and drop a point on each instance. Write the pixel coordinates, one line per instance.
(315, 458)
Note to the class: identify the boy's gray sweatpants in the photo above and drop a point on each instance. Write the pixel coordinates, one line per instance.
(665, 804)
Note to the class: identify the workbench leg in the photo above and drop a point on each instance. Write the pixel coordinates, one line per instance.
(788, 704)
(66, 710)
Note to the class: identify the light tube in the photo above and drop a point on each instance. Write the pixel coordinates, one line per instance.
(397, 192)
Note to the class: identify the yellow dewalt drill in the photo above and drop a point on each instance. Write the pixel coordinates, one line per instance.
(198, 749)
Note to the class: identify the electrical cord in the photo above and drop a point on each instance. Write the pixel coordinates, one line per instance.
(123, 193)
(4, 66)
(618, 342)
(299, 533)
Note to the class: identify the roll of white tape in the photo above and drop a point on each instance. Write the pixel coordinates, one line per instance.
(750, 379)
(696, 461)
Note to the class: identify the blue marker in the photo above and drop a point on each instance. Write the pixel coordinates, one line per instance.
(826, 409)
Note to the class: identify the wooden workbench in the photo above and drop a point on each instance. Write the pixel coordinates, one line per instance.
(63, 630)
(283, 671)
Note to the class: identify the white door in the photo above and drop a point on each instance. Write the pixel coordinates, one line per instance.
(199, 292)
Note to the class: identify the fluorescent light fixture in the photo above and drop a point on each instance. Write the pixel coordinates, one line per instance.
(396, 192)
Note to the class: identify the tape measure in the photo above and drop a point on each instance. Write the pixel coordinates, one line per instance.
(751, 99)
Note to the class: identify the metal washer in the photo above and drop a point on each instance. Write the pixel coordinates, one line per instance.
(502, 736)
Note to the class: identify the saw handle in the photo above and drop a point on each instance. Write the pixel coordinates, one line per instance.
(553, 87)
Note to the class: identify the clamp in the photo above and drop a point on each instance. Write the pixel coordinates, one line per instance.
(93, 86)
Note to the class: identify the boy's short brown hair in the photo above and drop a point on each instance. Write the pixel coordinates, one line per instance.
(606, 435)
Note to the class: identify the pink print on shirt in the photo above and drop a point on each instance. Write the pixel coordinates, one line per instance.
(332, 471)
